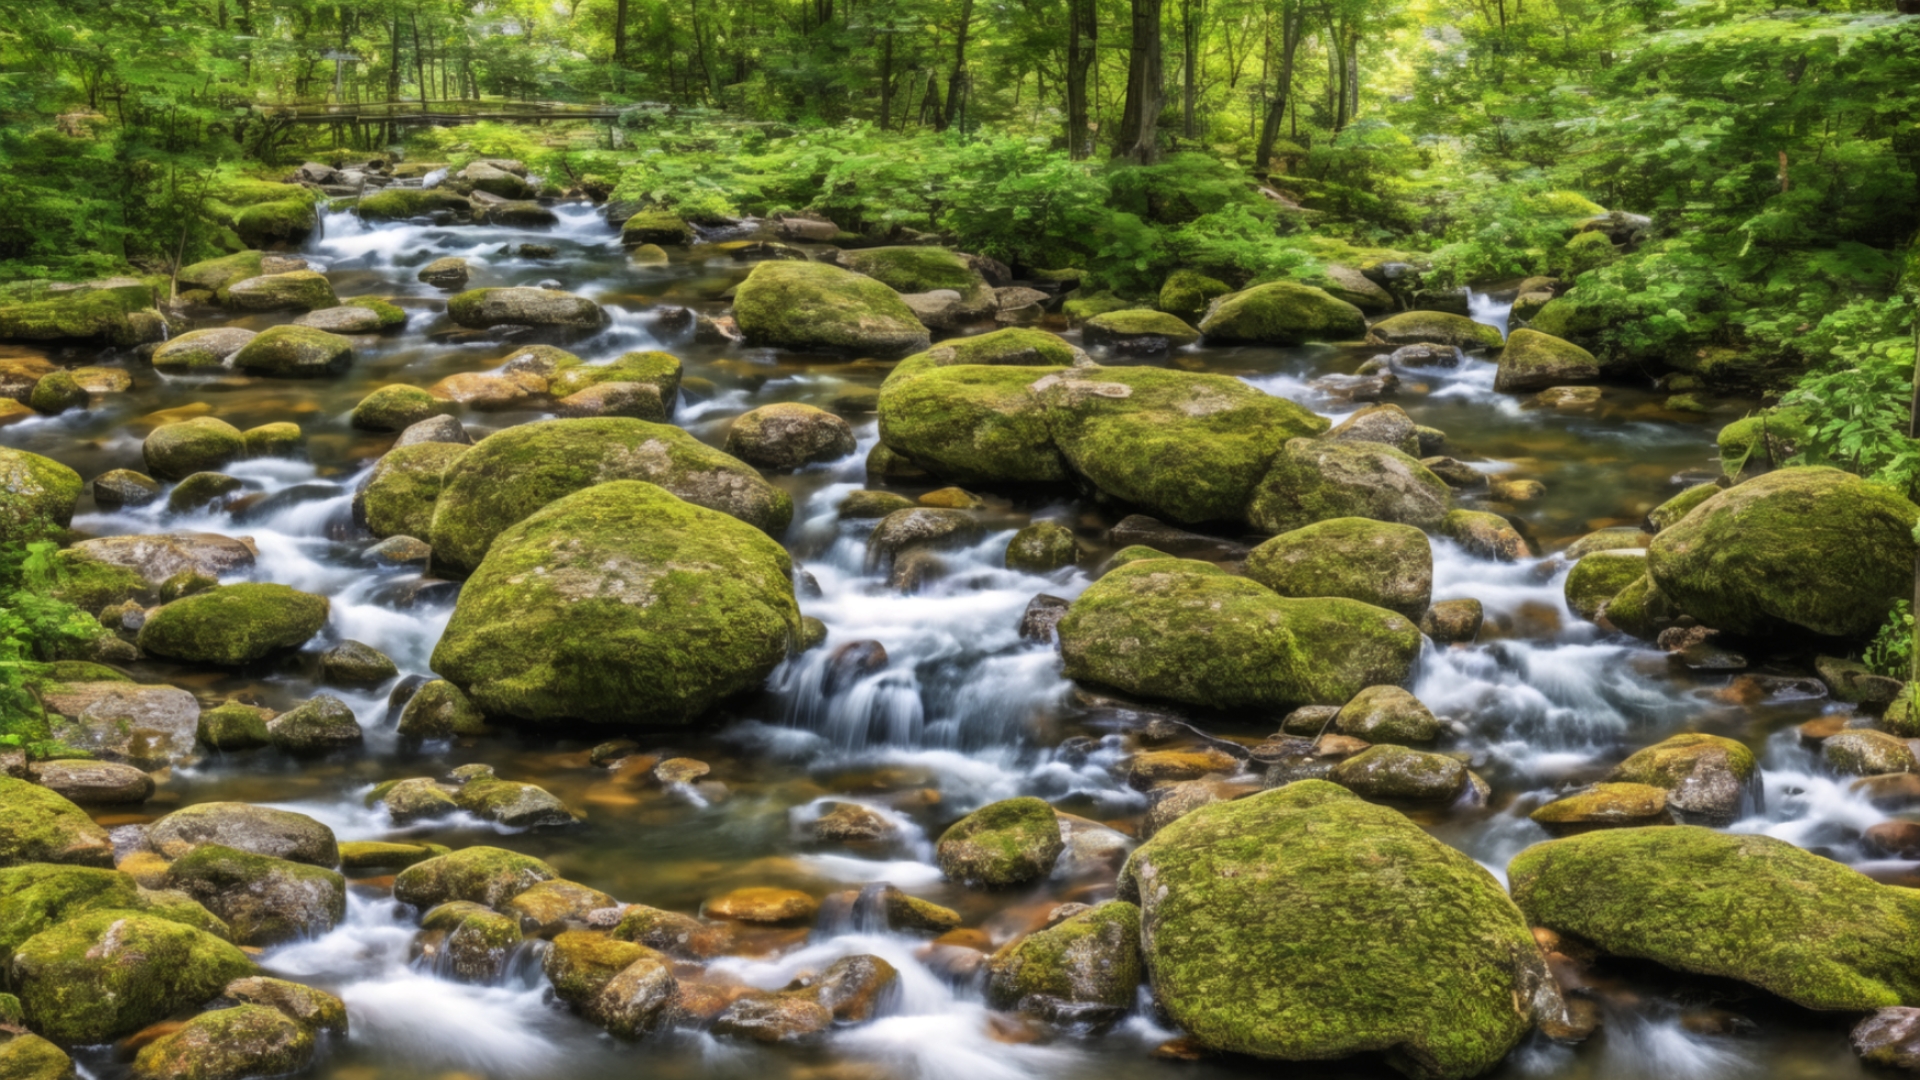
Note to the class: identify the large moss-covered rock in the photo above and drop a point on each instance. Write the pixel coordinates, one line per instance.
(512, 473)
(304, 290)
(1397, 774)
(202, 444)
(38, 826)
(295, 352)
(620, 604)
(201, 350)
(1809, 549)
(1705, 776)
(397, 204)
(1282, 313)
(811, 306)
(1376, 562)
(266, 214)
(111, 973)
(1010, 842)
(30, 1057)
(399, 496)
(482, 308)
(1320, 479)
(319, 725)
(439, 710)
(228, 1044)
(478, 939)
(1433, 328)
(488, 876)
(965, 410)
(1599, 577)
(1086, 966)
(215, 275)
(267, 901)
(788, 435)
(1393, 908)
(398, 407)
(1535, 361)
(1187, 293)
(1184, 446)
(923, 269)
(1137, 328)
(36, 494)
(115, 311)
(653, 368)
(258, 830)
(1739, 906)
(1188, 631)
(38, 896)
(233, 624)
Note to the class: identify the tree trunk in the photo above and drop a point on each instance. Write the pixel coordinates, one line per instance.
(1190, 65)
(886, 78)
(1083, 41)
(393, 71)
(1291, 24)
(419, 60)
(620, 33)
(957, 80)
(1146, 91)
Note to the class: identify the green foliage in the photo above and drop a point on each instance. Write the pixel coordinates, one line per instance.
(1891, 650)
(1858, 406)
(34, 628)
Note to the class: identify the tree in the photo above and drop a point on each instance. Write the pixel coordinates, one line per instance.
(1146, 89)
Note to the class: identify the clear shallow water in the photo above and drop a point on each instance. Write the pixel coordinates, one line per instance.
(964, 713)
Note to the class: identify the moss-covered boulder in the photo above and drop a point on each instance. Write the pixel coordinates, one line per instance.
(1706, 777)
(1134, 329)
(788, 435)
(1041, 548)
(441, 710)
(655, 227)
(1535, 361)
(37, 825)
(266, 901)
(1604, 806)
(200, 351)
(110, 973)
(228, 1044)
(233, 624)
(1671, 511)
(920, 269)
(811, 306)
(1083, 968)
(36, 494)
(257, 830)
(488, 876)
(1183, 446)
(1599, 577)
(398, 407)
(114, 311)
(1375, 562)
(1188, 631)
(653, 368)
(1282, 313)
(202, 444)
(295, 352)
(1010, 842)
(233, 726)
(514, 472)
(620, 604)
(55, 393)
(283, 439)
(302, 290)
(1398, 909)
(1742, 907)
(1866, 752)
(37, 896)
(1186, 293)
(265, 214)
(1387, 714)
(1433, 328)
(1484, 535)
(400, 495)
(29, 1057)
(512, 803)
(477, 940)
(627, 989)
(1319, 479)
(398, 204)
(965, 410)
(1395, 773)
(479, 309)
(1764, 440)
(1807, 549)
(319, 725)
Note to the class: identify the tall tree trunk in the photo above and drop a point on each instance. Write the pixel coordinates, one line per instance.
(1291, 24)
(1146, 89)
(700, 49)
(620, 33)
(1337, 57)
(957, 79)
(886, 78)
(1083, 41)
(1189, 64)
(419, 60)
(393, 70)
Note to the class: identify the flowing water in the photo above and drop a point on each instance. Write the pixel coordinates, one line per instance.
(965, 713)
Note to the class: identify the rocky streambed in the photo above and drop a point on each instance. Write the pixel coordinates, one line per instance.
(533, 646)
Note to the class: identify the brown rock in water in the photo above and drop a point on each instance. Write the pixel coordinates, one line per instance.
(1171, 766)
(680, 770)
(1889, 1039)
(763, 904)
(855, 989)
(93, 782)
(1453, 622)
(773, 1018)
(1899, 839)
(1043, 614)
(851, 822)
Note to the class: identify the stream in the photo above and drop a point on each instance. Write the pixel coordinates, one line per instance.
(966, 712)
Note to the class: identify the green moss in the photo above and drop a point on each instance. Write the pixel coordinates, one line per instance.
(1041, 548)
(234, 624)
(37, 825)
(1004, 843)
(397, 204)
(1744, 907)
(1671, 511)
(1605, 806)
(581, 964)
(512, 473)
(620, 603)
(1567, 317)
(1743, 448)
(266, 901)
(1585, 251)
(55, 393)
(29, 1057)
(111, 973)
(1400, 774)
(201, 491)
(1815, 549)
(97, 312)
(1187, 293)
(91, 584)
(1092, 958)
(1599, 577)
(400, 495)
(1319, 480)
(1187, 631)
(1082, 305)
(1282, 313)
(304, 290)
(810, 306)
(315, 1010)
(488, 876)
(379, 854)
(1387, 565)
(1535, 361)
(1704, 773)
(295, 352)
(478, 938)
(398, 407)
(35, 896)
(1433, 328)
(228, 1044)
(1183, 446)
(971, 423)
(1118, 326)
(440, 710)
(278, 440)
(482, 308)
(216, 275)
(35, 492)
(1394, 908)
(391, 315)
(1641, 609)
(656, 369)
(655, 227)
(233, 726)
(1387, 714)
(919, 269)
